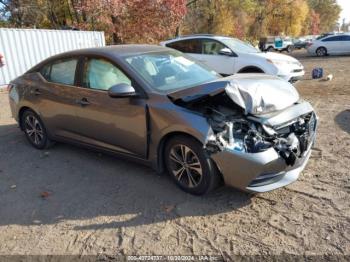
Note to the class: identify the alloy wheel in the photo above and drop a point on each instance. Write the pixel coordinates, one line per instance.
(34, 129)
(321, 52)
(185, 166)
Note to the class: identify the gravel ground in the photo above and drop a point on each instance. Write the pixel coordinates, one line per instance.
(73, 201)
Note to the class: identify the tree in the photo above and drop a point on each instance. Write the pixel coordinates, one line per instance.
(132, 21)
(126, 21)
(328, 11)
(314, 23)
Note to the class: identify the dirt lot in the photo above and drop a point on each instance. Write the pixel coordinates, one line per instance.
(100, 204)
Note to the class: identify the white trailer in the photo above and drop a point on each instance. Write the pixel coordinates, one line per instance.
(24, 48)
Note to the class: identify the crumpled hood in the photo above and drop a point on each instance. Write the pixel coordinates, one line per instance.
(256, 94)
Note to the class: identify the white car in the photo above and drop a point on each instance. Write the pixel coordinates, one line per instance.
(229, 56)
(330, 45)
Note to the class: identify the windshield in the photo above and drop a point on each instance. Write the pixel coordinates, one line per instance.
(170, 71)
(239, 46)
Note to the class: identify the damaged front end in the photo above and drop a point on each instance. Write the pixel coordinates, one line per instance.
(239, 133)
(255, 146)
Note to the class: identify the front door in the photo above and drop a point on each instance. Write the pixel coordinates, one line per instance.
(223, 64)
(117, 124)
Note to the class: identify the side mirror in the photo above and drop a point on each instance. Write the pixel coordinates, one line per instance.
(121, 90)
(226, 51)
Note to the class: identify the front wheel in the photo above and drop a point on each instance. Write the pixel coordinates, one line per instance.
(321, 51)
(35, 130)
(190, 166)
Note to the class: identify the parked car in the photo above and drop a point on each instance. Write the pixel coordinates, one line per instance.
(276, 43)
(229, 56)
(157, 106)
(330, 45)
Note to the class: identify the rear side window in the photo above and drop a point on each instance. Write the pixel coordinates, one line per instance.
(345, 38)
(192, 46)
(60, 72)
(332, 39)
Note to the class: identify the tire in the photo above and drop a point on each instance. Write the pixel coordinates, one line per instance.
(195, 173)
(270, 49)
(289, 49)
(321, 51)
(35, 130)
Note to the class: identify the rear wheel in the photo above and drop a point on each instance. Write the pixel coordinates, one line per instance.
(190, 166)
(289, 49)
(321, 51)
(35, 130)
(270, 49)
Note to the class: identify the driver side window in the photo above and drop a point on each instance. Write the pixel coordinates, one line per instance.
(102, 75)
(211, 47)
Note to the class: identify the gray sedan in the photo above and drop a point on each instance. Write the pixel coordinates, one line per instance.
(158, 107)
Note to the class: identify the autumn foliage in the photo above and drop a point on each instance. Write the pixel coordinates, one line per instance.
(150, 21)
(132, 21)
(254, 18)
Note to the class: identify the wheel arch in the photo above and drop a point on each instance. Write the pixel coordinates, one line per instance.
(161, 147)
(20, 114)
(251, 69)
(325, 48)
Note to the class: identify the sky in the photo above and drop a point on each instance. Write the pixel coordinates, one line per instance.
(345, 5)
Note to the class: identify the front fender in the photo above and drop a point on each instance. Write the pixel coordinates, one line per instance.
(164, 122)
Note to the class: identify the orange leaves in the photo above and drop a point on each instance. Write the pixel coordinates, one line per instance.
(137, 20)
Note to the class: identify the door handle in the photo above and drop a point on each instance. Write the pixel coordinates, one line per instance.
(83, 102)
(36, 92)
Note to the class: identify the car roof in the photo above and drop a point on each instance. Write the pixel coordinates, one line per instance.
(113, 51)
(196, 36)
(118, 50)
(333, 35)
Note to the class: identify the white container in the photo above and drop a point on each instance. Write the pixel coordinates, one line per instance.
(24, 48)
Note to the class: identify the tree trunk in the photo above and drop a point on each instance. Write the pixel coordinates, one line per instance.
(116, 38)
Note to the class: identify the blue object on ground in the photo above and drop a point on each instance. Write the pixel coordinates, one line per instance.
(317, 73)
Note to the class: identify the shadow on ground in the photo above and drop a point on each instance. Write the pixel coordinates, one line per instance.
(343, 120)
(84, 185)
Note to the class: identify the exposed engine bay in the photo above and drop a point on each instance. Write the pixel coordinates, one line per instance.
(234, 130)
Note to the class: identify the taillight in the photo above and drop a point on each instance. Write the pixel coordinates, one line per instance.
(9, 87)
(2, 60)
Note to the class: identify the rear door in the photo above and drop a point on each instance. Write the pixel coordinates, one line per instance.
(345, 44)
(117, 124)
(54, 93)
(334, 44)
